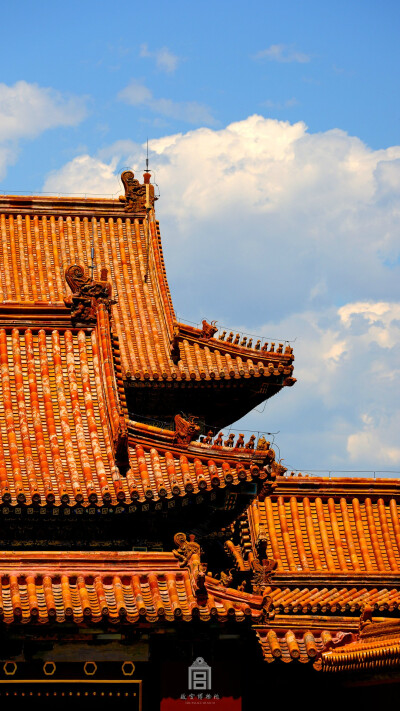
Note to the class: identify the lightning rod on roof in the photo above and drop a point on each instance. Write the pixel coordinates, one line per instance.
(91, 267)
(147, 205)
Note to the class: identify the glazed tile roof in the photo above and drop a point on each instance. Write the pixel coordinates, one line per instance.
(157, 474)
(332, 598)
(60, 416)
(61, 402)
(289, 645)
(118, 587)
(378, 646)
(41, 237)
(330, 527)
(161, 469)
(219, 360)
(332, 645)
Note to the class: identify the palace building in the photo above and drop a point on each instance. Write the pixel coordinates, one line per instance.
(147, 557)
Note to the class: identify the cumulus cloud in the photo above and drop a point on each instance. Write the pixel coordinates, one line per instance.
(95, 178)
(165, 60)
(26, 110)
(282, 53)
(376, 441)
(137, 94)
(279, 232)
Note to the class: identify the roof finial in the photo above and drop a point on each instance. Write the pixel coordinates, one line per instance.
(146, 180)
(146, 177)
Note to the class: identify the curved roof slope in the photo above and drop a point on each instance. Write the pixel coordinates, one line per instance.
(63, 428)
(167, 473)
(331, 528)
(41, 237)
(123, 587)
(59, 414)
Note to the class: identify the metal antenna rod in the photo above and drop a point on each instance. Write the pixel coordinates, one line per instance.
(91, 267)
(147, 215)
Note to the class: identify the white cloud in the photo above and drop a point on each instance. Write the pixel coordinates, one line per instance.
(26, 110)
(282, 53)
(273, 230)
(95, 178)
(377, 441)
(165, 60)
(136, 94)
(343, 413)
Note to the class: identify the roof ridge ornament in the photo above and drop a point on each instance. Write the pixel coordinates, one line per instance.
(208, 330)
(138, 197)
(87, 294)
(188, 553)
(186, 429)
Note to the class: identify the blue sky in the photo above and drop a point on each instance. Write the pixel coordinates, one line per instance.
(335, 66)
(274, 137)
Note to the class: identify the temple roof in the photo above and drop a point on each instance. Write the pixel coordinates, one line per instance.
(60, 415)
(333, 598)
(292, 645)
(79, 375)
(121, 588)
(331, 528)
(42, 237)
(377, 646)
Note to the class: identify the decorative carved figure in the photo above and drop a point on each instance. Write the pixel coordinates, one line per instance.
(226, 578)
(121, 446)
(218, 439)
(268, 607)
(262, 443)
(208, 330)
(277, 469)
(236, 341)
(229, 442)
(86, 294)
(250, 443)
(186, 430)
(175, 352)
(262, 574)
(365, 617)
(188, 554)
(258, 345)
(208, 438)
(185, 549)
(135, 193)
(240, 441)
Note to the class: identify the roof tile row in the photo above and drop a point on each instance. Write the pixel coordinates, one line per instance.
(311, 533)
(333, 599)
(131, 588)
(299, 645)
